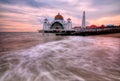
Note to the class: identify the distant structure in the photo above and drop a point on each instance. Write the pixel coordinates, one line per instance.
(59, 24)
(62, 27)
(83, 21)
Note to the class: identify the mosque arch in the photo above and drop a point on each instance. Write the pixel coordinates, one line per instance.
(56, 25)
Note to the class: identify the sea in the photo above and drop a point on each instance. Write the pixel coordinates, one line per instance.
(33, 56)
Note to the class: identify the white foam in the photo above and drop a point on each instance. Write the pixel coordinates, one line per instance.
(88, 53)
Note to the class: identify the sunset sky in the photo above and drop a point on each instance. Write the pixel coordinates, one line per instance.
(28, 15)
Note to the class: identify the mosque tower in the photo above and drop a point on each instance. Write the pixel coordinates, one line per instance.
(69, 24)
(83, 21)
(45, 25)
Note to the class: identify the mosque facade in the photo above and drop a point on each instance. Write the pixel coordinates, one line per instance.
(57, 24)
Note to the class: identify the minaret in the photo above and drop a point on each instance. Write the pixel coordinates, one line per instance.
(45, 25)
(83, 21)
(69, 24)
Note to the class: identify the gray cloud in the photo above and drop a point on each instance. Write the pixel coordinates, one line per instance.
(11, 10)
(31, 3)
(100, 3)
(2, 25)
(102, 8)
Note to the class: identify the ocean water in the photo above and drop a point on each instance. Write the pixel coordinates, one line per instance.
(38, 57)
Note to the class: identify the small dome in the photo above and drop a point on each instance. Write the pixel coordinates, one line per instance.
(68, 19)
(58, 17)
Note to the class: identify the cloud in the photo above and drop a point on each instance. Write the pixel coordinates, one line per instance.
(29, 14)
(104, 8)
(2, 25)
(105, 20)
(11, 10)
(31, 3)
(7, 29)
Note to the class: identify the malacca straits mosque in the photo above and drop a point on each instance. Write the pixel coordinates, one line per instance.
(58, 25)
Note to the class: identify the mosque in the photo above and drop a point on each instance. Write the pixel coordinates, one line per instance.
(62, 27)
(58, 24)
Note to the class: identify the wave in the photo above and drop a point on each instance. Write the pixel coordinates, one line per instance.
(70, 59)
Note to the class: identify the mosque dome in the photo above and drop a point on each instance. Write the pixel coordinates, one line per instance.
(68, 19)
(59, 17)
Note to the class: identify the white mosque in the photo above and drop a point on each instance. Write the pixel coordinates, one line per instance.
(62, 27)
(59, 24)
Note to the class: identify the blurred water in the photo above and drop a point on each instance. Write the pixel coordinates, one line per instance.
(63, 59)
(16, 41)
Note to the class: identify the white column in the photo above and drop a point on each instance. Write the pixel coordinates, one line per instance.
(83, 21)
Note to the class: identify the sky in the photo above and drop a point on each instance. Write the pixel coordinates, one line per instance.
(28, 15)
